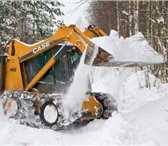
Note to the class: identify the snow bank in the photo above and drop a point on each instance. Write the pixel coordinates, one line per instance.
(141, 120)
(152, 118)
(132, 49)
(114, 131)
(109, 79)
(134, 94)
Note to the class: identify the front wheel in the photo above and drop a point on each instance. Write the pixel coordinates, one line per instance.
(49, 113)
(11, 107)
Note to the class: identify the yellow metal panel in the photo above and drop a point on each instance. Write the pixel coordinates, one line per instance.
(96, 32)
(89, 33)
(91, 105)
(13, 80)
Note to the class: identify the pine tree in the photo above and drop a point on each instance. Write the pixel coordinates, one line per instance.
(29, 21)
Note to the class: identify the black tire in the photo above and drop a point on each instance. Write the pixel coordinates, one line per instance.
(42, 114)
(107, 109)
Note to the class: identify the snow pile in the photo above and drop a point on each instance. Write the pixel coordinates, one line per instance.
(121, 131)
(134, 94)
(147, 108)
(109, 79)
(142, 118)
(114, 131)
(133, 49)
(5, 126)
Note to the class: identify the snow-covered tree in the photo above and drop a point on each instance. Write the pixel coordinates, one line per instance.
(29, 21)
(129, 17)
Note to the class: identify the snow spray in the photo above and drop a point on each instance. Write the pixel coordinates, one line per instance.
(76, 94)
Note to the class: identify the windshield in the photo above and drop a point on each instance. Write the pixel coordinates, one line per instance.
(63, 69)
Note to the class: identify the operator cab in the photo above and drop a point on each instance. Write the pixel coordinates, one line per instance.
(60, 74)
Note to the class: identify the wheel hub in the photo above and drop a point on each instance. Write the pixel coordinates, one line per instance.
(11, 107)
(50, 113)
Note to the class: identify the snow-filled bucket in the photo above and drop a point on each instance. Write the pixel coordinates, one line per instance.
(117, 51)
(97, 56)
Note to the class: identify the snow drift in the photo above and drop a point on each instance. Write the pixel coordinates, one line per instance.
(145, 124)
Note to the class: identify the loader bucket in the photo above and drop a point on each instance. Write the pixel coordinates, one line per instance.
(104, 51)
(97, 56)
(2, 72)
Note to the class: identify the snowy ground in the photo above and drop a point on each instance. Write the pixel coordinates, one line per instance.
(142, 119)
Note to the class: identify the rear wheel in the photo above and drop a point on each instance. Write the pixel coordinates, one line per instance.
(108, 103)
(49, 113)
